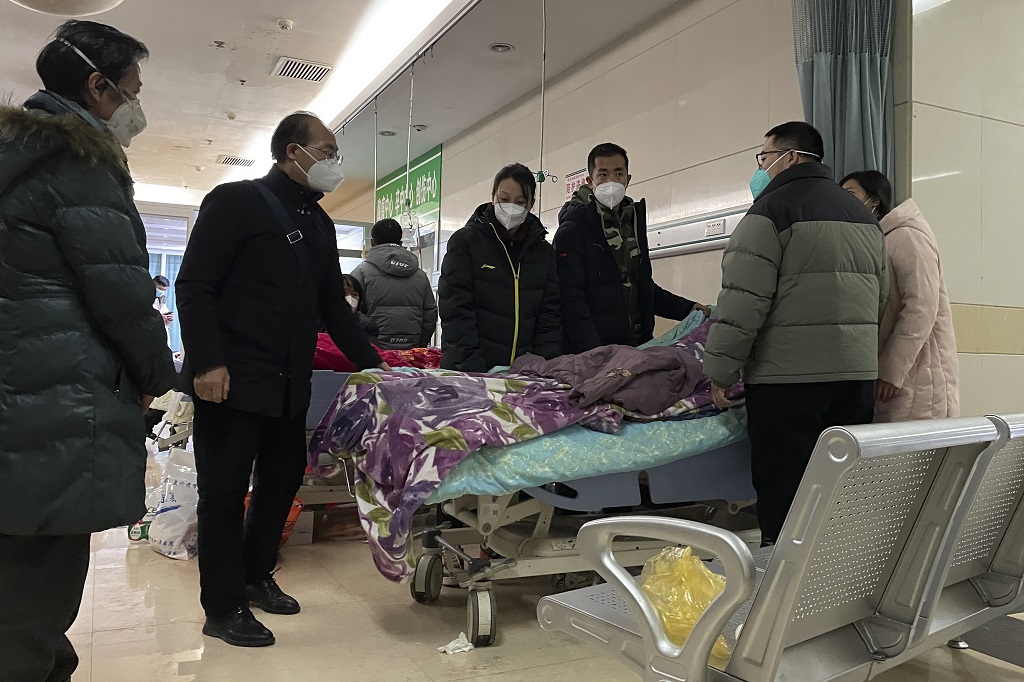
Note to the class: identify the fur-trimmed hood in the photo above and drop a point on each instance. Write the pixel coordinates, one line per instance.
(49, 125)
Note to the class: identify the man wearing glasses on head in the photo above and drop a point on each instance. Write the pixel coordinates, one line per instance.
(804, 285)
(260, 272)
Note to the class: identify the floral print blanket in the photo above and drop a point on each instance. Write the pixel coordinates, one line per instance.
(410, 429)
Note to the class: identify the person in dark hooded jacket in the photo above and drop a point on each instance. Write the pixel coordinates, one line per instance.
(397, 293)
(498, 292)
(83, 350)
(609, 295)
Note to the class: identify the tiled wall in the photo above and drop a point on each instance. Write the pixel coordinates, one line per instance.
(966, 114)
(690, 98)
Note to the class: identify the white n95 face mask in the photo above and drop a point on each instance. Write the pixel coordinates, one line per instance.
(127, 121)
(610, 194)
(324, 176)
(510, 215)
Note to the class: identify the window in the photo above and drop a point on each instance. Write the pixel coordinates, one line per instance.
(165, 240)
(353, 239)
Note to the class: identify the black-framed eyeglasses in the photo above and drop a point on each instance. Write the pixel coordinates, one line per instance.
(330, 154)
(761, 156)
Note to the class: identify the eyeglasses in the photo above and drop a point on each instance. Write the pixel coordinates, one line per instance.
(329, 154)
(761, 156)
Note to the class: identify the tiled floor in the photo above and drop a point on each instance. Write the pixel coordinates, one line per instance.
(141, 621)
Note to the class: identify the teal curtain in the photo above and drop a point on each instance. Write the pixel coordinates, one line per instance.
(844, 67)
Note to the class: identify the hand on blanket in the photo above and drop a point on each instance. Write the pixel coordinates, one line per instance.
(213, 385)
(721, 397)
(706, 309)
(146, 401)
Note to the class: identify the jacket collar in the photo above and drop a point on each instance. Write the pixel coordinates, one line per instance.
(291, 192)
(50, 124)
(801, 171)
(52, 103)
(906, 214)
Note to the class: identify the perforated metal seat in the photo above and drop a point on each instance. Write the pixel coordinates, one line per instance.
(855, 584)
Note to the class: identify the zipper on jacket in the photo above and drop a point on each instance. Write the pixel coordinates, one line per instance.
(515, 275)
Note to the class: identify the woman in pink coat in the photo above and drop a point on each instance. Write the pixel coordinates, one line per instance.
(918, 370)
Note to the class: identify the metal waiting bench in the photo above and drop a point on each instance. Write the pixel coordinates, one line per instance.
(901, 537)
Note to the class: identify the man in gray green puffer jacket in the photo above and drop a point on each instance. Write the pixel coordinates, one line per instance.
(804, 285)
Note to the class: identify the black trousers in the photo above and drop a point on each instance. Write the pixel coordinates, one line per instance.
(784, 422)
(236, 549)
(41, 584)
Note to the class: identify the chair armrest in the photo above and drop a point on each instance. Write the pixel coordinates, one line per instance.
(595, 545)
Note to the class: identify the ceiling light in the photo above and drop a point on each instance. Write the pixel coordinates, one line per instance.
(419, 127)
(387, 133)
(501, 48)
(69, 8)
(389, 28)
(387, 33)
(168, 194)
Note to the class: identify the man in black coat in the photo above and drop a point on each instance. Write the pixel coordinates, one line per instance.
(604, 264)
(260, 271)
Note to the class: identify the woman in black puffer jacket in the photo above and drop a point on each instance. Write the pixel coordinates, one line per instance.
(83, 350)
(498, 292)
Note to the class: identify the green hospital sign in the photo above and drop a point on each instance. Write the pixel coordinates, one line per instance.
(424, 186)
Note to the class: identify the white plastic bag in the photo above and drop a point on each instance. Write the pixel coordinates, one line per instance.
(173, 531)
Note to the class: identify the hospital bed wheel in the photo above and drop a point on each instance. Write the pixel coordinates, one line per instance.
(482, 616)
(426, 581)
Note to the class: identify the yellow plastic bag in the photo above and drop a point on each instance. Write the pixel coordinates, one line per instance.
(681, 588)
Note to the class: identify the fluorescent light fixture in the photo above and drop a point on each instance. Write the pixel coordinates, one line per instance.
(936, 176)
(387, 29)
(925, 5)
(168, 194)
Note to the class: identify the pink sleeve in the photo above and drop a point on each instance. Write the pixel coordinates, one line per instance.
(914, 263)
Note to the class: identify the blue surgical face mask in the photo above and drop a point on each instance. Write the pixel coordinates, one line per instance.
(759, 182)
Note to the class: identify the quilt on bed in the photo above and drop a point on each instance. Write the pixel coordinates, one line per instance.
(414, 428)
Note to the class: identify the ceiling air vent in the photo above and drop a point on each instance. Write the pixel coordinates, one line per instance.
(301, 69)
(225, 160)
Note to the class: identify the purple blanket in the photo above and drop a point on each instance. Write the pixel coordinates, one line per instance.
(414, 427)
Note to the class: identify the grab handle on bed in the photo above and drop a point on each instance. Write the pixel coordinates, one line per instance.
(595, 545)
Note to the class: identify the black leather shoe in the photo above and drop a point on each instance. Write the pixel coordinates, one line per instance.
(239, 628)
(269, 597)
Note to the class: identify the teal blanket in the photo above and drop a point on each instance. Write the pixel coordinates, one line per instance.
(575, 452)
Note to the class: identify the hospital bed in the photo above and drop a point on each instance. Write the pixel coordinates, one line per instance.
(519, 505)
